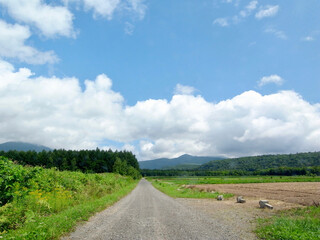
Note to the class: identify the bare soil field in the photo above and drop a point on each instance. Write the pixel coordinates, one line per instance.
(242, 216)
(302, 193)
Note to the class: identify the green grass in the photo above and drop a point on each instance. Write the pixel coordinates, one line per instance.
(235, 180)
(178, 191)
(39, 203)
(294, 224)
(54, 226)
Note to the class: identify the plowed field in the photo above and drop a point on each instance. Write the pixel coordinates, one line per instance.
(304, 193)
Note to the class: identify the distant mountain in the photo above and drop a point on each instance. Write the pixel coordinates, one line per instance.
(255, 163)
(183, 162)
(22, 146)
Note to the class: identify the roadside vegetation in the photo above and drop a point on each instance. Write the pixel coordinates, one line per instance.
(294, 224)
(39, 203)
(177, 190)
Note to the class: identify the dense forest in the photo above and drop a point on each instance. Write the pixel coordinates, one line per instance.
(256, 163)
(89, 161)
(281, 165)
(281, 171)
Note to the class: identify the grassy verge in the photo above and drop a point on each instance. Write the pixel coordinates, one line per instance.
(39, 203)
(178, 191)
(294, 224)
(54, 226)
(235, 180)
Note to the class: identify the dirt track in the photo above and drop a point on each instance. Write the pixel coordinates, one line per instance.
(304, 193)
(147, 213)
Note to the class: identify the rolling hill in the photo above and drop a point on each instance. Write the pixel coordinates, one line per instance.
(183, 162)
(255, 163)
(22, 146)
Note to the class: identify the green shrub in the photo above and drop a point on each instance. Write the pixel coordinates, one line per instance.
(30, 194)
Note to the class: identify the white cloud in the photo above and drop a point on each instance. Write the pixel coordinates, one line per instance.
(103, 8)
(58, 113)
(184, 90)
(308, 39)
(128, 28)
(138, 7)
(271, 79)
(252, 5)
(267, 11)
(223, 22)
(50, 20)
(249, 8)
(277, 33)
(246, 12)
(12, 42)
(107, 8)
(246, 124)
(236, 2)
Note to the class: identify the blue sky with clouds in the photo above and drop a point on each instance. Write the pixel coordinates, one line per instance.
(161, 78)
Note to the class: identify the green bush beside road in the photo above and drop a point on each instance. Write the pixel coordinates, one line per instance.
(38, 203)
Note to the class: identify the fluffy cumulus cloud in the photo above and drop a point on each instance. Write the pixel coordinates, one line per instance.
(12, 42)
(247, 124)
(276, 79)
(55, 20)
(50, 20)
(57, 112)
(267, 11)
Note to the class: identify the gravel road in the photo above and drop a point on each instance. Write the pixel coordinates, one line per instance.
(147, 213)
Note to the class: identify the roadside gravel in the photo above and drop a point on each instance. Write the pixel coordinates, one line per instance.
(146, 213)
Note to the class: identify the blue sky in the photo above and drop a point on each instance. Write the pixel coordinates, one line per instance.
(219, 77)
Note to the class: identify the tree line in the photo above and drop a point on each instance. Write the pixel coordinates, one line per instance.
(256, 163)
(281, 171)
(89, 161)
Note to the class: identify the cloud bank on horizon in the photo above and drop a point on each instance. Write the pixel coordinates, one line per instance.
(64, 112)
(58, 113)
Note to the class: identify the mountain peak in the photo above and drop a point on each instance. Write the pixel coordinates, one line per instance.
(184, 159)
(185, 156)
(22, 146)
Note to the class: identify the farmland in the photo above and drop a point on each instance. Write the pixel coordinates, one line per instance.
(236, 180)
(290, 219)
(303, 193)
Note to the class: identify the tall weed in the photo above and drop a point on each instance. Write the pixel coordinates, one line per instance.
(30, 194)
